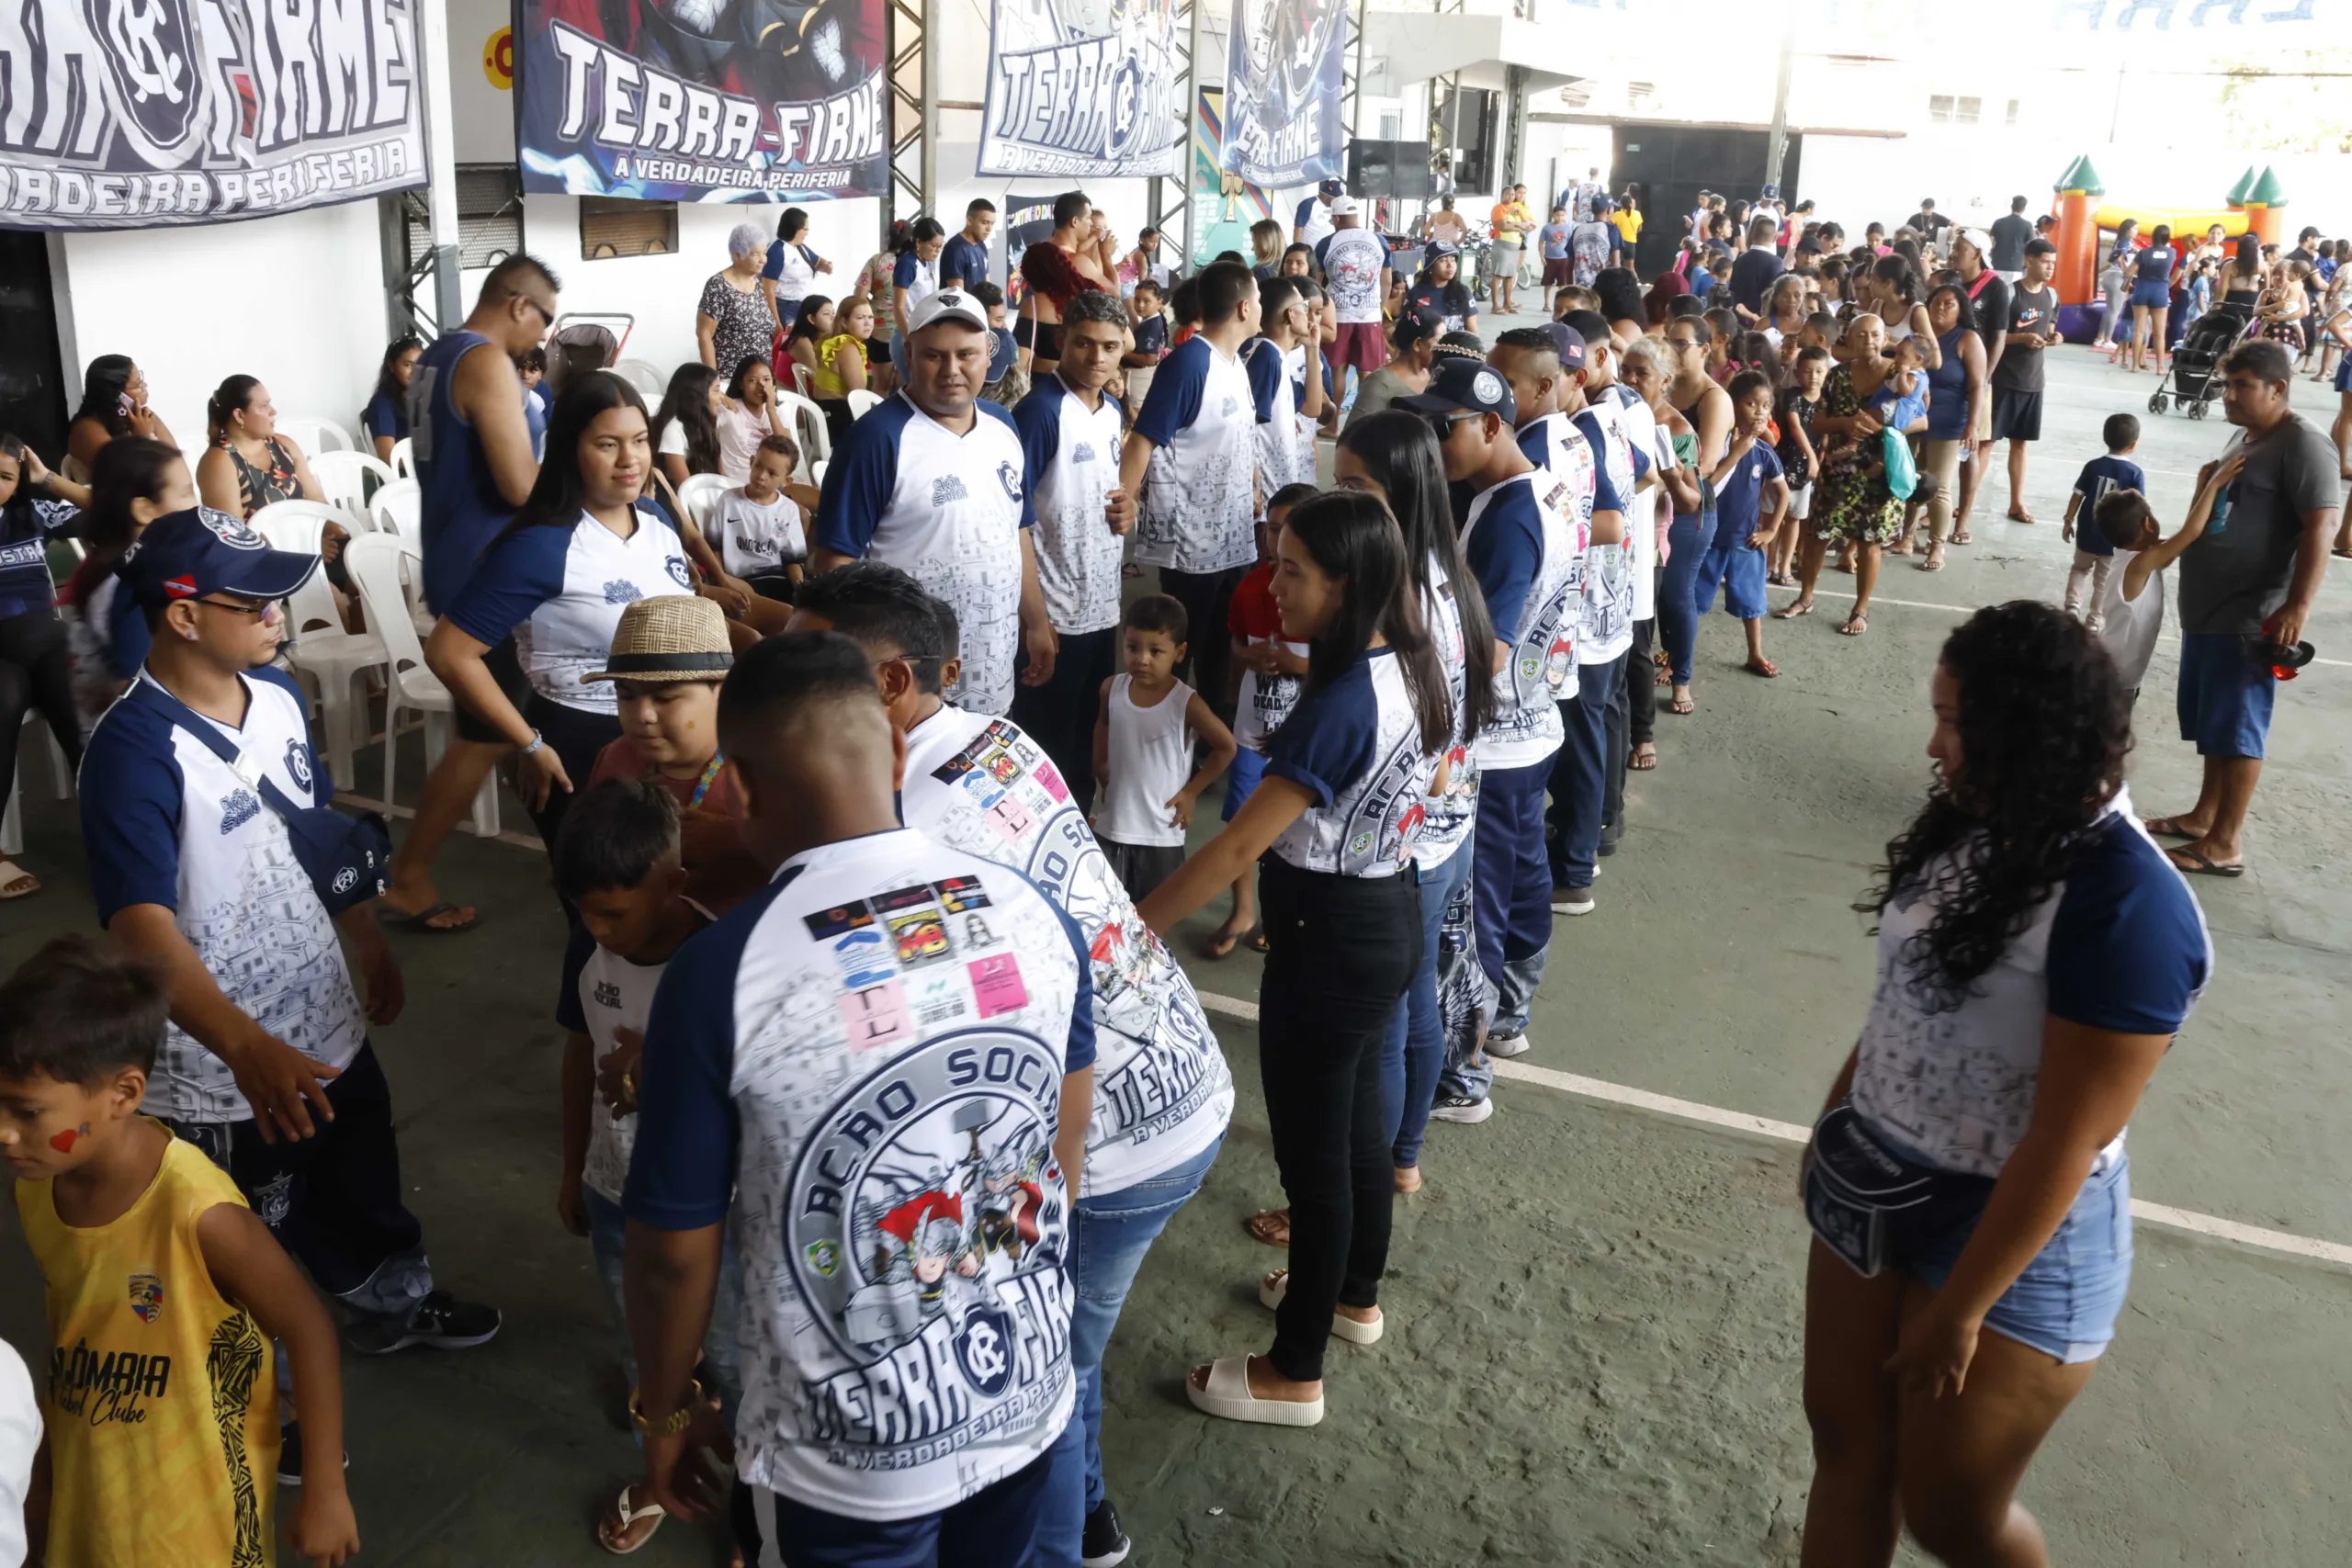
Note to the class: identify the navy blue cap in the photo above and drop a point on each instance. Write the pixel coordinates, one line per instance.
(1465, 386)
(185, 555)
(1436, 248)
(1331, 187)
(1571, 342)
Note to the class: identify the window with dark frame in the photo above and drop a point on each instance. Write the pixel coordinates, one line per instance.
(490, 214)
(613, 227)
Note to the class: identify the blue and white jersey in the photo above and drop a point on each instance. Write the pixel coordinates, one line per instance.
(1198, 511)
(2120, 944)
(1313, 221)
(165, 821)
(1352, 261)
(949, 511)
(1162, 1091)
(1641, 523)
(1446, 821)
(860, 1067)
(919, 278)
(25, 529)
(1070, 457)
(1528, 555)
(1608, 568)
(565, 589)
(1554, 444)
(2100, 478)
(1355, 745)
(1281, 431)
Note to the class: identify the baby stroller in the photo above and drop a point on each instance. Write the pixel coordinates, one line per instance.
(2196, 363)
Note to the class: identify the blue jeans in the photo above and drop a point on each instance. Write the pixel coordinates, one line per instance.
(1512, 889)
(606, 1228)
(1579, 781)
(994, 1528)
(1678, 610)
(1112, 1232)
(1415, 1051)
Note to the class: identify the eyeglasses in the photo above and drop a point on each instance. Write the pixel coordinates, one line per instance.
(546, 315)
(268, 610)
(1443, 423)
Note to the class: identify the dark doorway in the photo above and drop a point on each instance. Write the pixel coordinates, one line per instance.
(32, 376)
(1673, 163)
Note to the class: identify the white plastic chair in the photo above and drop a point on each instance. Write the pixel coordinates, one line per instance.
(700, 493)
(333, 658)
(397, 508)
(344, 477)
(12, 820)
(315, 436)
(643, 377)
(404, 459)
(815, 436)
(817, 471)
(387, 570)
(861, 401)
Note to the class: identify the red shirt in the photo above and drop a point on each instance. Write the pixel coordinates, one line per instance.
(1254, 612)
(720, 873)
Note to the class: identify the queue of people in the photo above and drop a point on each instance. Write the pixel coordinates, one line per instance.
(899, 775)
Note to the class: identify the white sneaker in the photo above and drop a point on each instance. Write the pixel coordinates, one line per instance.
(1568, 900)
(1455, 1108)
(1507, 1045)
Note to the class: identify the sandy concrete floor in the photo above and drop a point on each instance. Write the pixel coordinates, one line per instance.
(1594, 1311)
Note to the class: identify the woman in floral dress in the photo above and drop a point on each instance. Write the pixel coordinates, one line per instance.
(1851, 504)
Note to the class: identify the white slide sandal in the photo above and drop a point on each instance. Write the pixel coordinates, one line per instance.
(1273, 1287)
(1228, 1395)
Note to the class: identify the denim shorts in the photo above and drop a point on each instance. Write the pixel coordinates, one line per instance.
(2066, 1301)
(2225, 697)
(1241, 776)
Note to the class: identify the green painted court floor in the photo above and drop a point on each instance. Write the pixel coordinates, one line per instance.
(1594, 1311)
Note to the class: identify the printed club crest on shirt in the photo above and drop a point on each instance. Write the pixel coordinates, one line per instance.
(147, 1297)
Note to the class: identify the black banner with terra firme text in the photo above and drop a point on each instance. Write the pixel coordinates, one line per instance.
(133, 114)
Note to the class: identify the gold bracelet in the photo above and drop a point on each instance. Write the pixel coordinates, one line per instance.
(677, 1421)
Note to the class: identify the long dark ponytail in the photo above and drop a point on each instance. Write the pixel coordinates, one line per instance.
(688, 403)
(104, 385)
(1354, 536)
(1400, 452)
(127, 468)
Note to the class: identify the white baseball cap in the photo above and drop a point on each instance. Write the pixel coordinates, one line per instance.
(947, 304)
(1344, 206)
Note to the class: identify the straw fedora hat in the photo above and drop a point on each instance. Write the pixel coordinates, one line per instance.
(674, 637)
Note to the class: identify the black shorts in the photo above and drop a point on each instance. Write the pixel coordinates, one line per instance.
(2016, 416)
(505, 667)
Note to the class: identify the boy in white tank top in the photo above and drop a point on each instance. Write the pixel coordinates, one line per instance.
(1145, 738)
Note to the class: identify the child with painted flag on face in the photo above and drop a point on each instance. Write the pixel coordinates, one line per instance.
(1751, 508)
(162, 1404)
(1143, 743)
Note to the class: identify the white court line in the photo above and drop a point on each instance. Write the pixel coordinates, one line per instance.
(2163, 1215)
(1968, 610)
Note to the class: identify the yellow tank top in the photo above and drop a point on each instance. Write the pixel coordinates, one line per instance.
(162, 1403)
(828, 376)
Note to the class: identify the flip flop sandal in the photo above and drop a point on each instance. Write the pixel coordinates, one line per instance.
(1682, 705)
(1931, 566)
(399, 920)
(1256, 940)
(1228, 1396)
(1641, 764)
(2168, 827)
(1276, 1285)
(15, 882)
(1855, 626)
(1791, 610)
(629, 1517)
(1961, 538)
(2201, 865)
(1263, 1225)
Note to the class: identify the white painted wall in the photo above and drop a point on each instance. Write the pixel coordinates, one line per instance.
(297, 301)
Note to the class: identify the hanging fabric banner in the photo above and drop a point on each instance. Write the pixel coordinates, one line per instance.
(136, 114)
(1283, 80)
(1077, 92)
(703, 100)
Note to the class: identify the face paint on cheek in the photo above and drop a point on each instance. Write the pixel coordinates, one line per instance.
(63, 1142)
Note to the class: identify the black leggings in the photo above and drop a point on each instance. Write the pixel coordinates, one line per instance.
(35, 672)
(1339, 951)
